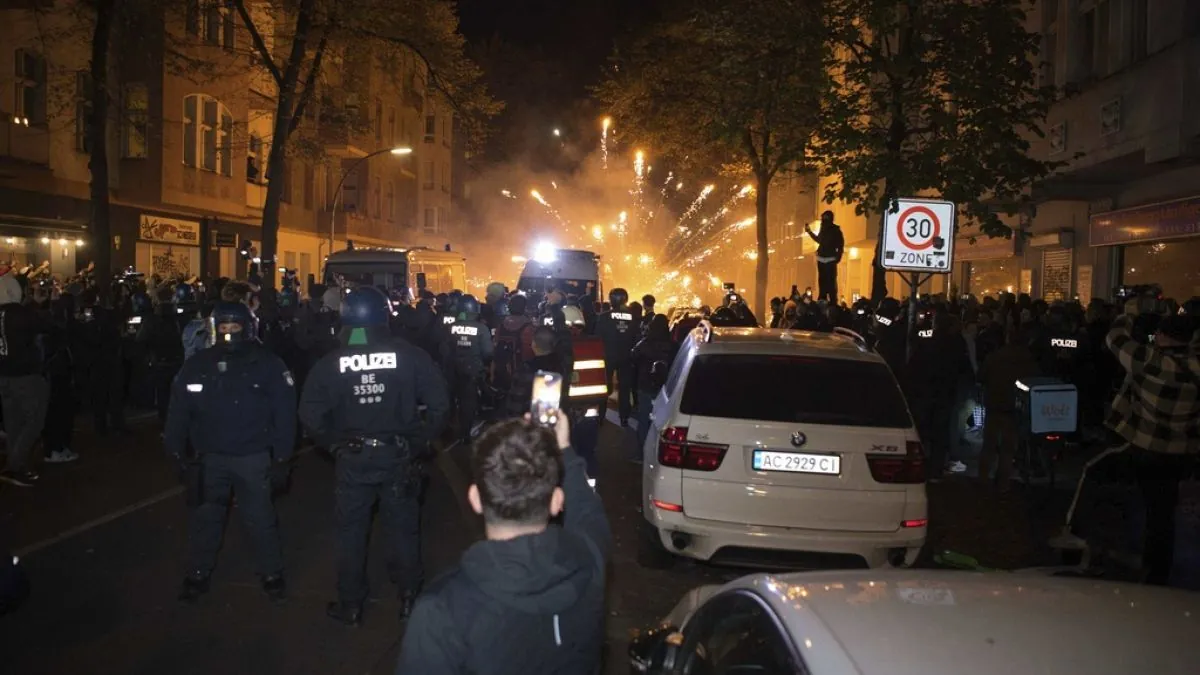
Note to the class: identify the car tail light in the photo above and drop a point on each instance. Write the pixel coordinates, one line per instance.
(675, 450)
(908, 468)
(920, 522)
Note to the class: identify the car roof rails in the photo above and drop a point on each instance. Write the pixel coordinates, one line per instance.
(858, 340)
(705, 330)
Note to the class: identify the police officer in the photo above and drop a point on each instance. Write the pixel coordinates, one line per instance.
(235, 402)
(361, 401)
(467, 353)
(616, 329)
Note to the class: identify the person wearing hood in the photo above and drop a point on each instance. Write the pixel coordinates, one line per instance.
(530, 597)
(24, 391)
(652, 358)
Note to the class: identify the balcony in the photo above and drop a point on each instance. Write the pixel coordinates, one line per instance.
(23, 144)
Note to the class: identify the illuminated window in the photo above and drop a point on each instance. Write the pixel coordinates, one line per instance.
(207, 135)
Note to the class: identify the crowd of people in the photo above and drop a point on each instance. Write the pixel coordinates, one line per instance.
(233, 370)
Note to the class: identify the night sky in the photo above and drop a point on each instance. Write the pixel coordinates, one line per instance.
(541, 56)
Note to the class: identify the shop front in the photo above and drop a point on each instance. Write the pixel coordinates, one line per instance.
(1154, 244)
(989, 266)
(167, 246)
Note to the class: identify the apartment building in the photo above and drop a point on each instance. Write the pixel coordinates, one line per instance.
(188, 142)
(1127, 209)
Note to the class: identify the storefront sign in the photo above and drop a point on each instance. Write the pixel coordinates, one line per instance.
(1083, 284)
(169, 230)
(984, 248)
(225, 239)
(1169, 220)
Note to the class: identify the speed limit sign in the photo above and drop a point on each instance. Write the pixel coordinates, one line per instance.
(919, 236)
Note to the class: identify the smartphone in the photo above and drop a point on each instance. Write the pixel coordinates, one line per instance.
(87, 313)
(546, 399)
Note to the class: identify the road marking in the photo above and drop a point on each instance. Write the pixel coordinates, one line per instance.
(109, 517)
(102, 520)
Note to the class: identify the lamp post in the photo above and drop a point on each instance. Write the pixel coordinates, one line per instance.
(337, 193)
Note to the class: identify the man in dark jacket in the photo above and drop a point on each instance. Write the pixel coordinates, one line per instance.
(830, 244)
(529, 598)
(24, 392)
(652, 357)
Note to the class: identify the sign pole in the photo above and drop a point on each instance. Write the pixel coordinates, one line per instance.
(914, 284)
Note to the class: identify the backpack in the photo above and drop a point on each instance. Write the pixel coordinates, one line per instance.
(196, 337)
(508, 352)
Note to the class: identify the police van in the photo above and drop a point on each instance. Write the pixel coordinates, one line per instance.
(396, 268)
(568, 271)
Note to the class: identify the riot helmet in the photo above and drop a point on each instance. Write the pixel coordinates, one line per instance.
(184, 294)
(468, 308)
(366, 307)
(232, 324)
(495, 291)
(617, 297)
(140, 303)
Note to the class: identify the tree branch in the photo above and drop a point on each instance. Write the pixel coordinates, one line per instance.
(259, 44)
(310, 83)
(435, 78)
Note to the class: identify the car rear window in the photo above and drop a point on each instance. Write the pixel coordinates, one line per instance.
(794, 389)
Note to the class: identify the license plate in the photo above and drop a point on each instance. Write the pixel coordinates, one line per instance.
(797, 462)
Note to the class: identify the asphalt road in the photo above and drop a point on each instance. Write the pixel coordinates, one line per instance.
(103, 540)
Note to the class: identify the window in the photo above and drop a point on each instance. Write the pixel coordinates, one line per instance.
(310, 179)
(1087, 43)
(730, 386)
(135, 122)
(30, 87)
(378, 121)
(1100, 66)
(430, 128)
(83, 110)
(391, 125)
(256, 158)
(1137, 27)
(391, 202)
(446, 177)
(207, 134)
(1050, 59)
(218, 22)
(431, 221)
(284, 171)
(446, 130)
(430, 174)
(376, 200)
(736, 633)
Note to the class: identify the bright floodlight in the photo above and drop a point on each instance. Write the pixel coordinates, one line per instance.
(402, 151)
(544, 252)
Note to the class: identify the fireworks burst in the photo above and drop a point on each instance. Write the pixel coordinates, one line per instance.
(604, 125)
(549, 208)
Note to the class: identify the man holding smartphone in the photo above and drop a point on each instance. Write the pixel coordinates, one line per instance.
(530, 597)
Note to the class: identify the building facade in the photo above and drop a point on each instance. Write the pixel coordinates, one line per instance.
(1125, 208)
(189, 138)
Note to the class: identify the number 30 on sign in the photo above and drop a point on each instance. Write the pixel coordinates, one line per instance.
(919, 236)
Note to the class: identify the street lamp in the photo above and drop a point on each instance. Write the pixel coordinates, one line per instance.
(337, 193)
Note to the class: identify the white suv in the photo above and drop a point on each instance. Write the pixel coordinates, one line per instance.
(782, 448)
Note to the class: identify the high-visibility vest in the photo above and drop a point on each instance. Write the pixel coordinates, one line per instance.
(588, 384)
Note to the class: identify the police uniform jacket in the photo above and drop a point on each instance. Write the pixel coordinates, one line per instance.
(373, 391)
(619, 333)
(233, 402)
(469, 343)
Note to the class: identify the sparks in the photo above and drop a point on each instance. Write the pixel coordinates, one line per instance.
(508, 194)
(604, 125)
(538, 196)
